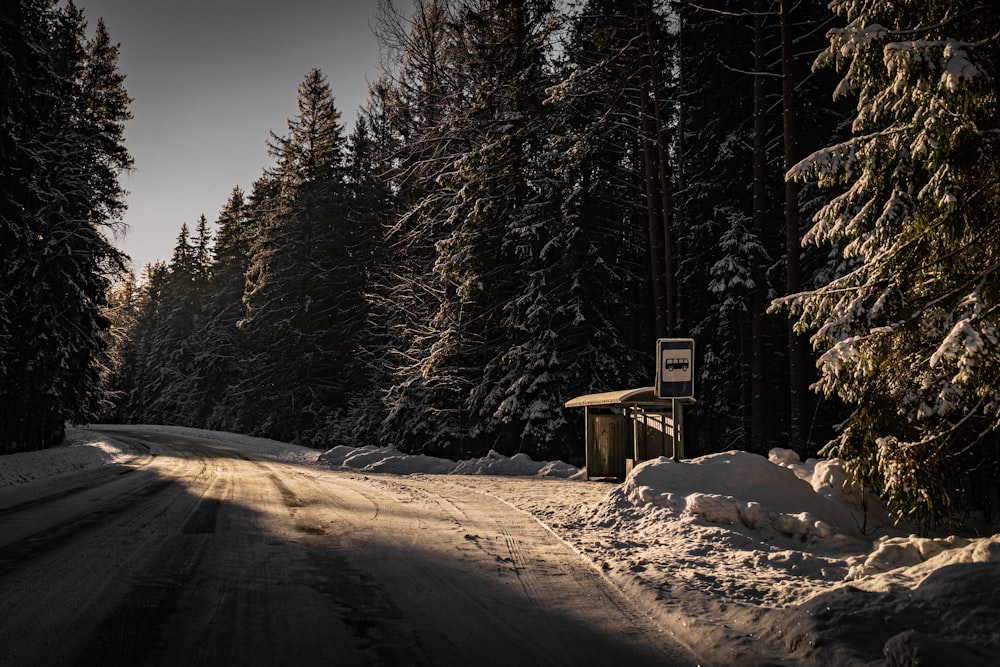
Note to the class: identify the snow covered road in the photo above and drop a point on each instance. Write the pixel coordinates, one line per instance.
(195, 552)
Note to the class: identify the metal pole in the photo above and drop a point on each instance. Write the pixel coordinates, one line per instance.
(678, 429)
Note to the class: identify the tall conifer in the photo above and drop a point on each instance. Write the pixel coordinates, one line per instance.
(62, 110)
(910, 335)
(303, 290)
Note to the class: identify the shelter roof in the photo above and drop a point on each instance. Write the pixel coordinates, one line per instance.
(643, 396)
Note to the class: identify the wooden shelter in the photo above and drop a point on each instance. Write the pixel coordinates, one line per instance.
(625, 427)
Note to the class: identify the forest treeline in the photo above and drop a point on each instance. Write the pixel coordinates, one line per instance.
(527, 202)
(534, 193)
(63, 107)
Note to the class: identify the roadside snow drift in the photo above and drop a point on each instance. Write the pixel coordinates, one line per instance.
(794, 555)
(751, 560)
(738, 488)
(391, 460)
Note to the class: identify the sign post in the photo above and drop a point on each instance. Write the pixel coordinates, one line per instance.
(675, 380)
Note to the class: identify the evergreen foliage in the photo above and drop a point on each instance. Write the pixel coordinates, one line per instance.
(62, 112)
(305, 299)
(909, 334)
(510, 213)
(533, 194)
(217, 364)
(423, 105)
(492, 216)
(369, 208)
(731, 211)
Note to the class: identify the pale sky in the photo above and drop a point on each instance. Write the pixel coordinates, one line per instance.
(210, 79)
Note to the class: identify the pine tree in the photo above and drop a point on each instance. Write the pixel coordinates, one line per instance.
(422, 106)
(219, 358)
(305, 301)
(62, 108)
(909, 334)
(174, 398)
(115, 381)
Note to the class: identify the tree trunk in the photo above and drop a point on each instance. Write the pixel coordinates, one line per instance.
(669, 287)
(679, 177)
(649, 180)
(759, 420)
(797, 382)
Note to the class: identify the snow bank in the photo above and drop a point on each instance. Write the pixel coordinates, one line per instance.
(391, 460)
(384, 459)
(915, 601)
(762, 560)
(752, 548)
(920, 556)
(86, 449)
(809, 501)
(80, 451)
(794, 554)
(280, 451)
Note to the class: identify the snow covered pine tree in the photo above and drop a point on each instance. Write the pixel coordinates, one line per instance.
(910, 333)
(63, 107)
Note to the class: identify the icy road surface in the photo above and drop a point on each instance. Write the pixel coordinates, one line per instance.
(196, 553)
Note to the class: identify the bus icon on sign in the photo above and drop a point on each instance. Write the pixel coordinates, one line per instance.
(675, 368)
(676, 364)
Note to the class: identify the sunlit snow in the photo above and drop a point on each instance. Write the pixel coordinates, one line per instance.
(749, 559)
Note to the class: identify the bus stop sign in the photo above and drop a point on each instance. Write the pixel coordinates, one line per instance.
(675, 368)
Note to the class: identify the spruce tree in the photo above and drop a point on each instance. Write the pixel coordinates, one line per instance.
(141, 362)
(116, 381)
(220, 354)
(909, 335)
(502, 47)
(422, 106)
(571, 322)
(730, 203)
(62, 109)
(369, 207)
(304, 298)
(598, 102)
(173, 397)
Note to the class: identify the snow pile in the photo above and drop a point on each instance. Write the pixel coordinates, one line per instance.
(915, 601)
(893, 553)
(752, 560)
(384, 459)
(736, 525)
(85, 449)
(738, 488)
(247, 444)
(80, 452)
(795, 556)
(391, 460)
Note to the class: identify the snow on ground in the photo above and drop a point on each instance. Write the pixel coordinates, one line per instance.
(752, 560)
(81, 451)
(390, 460)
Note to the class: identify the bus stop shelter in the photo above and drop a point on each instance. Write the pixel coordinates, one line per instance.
(625, 427)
